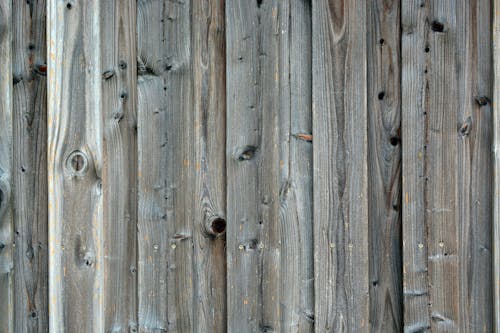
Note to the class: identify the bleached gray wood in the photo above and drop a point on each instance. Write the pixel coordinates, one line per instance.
(6, 223)
(296, 143)
(447, 210)
(208, 167)
(496, 167)
(340, 166)
(253, 191)
(29, 67)
(384, 161)
(119, 99)
(76, 242)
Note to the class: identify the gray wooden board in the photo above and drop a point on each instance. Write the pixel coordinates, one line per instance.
(340, 166)
(6, 223)
(384, 165)
(29, 67)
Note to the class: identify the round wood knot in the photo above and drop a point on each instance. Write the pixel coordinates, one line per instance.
(77, 163)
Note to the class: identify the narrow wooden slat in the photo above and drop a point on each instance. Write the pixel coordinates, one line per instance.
(384, 160)
(297, 273)
(76, 248)
(446, 149)
(340, 166)
(414, 92)
(6, 223)
(30, 166)
(119, 87)
(253, 197)
(208, 166)
(496, 168)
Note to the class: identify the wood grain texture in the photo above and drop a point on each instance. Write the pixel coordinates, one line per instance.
(208, 167)
(181, 125)
(74, 168)
(30, 166)
(119, 170)
(253, 183)
(384, 160)
(6, 224)
(496, 161)
(446, 148)
(340, 166)
(296, 142)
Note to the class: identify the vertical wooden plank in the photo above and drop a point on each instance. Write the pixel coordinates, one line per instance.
(297, 273)
(446, 149)
(119, 87)
(208, 167)
(6, 223)
(253, 249)
(384, 156)
(74, 167)
(414, 95)
(181, 171)
(496, 168)
(30, 166)
(340, 166)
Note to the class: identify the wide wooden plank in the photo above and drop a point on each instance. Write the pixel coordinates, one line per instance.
(76, 248)
(384, 160)
(30, 165)
(253, 184)
(446, 153)
(181, 171)
(496, 167)
(119, 170)
(297, 273)
(6, 223)
(340, 166)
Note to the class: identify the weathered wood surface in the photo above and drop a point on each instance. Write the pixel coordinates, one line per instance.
(496, 167)
(296, 142)
(6, 223)
(182, 181)
(29, 67)
(253, 166)
(446, 87)
(119, 166)
(340, 166)
(346, 146)
(75, 162)
(384, 161)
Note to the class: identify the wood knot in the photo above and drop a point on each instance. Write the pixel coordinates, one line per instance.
(108, 74)
(465, 127)
(246, 153)
(217, 225)
(437, 26)
(482, 100)
(77, 163)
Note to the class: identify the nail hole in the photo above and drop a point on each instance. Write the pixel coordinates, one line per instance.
(381, 41)
(259, 3)
(381, 95)
(122, 64)
(427, 49)
(69, 6)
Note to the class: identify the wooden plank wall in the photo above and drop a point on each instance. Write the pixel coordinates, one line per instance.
(248, 166)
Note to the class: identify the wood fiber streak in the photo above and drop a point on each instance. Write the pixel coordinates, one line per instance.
(340, 166)
(119, 100)
(74, 168)
(447, 191)
(30, 166)
(6, 223)
(253, 166)
(384, 160)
